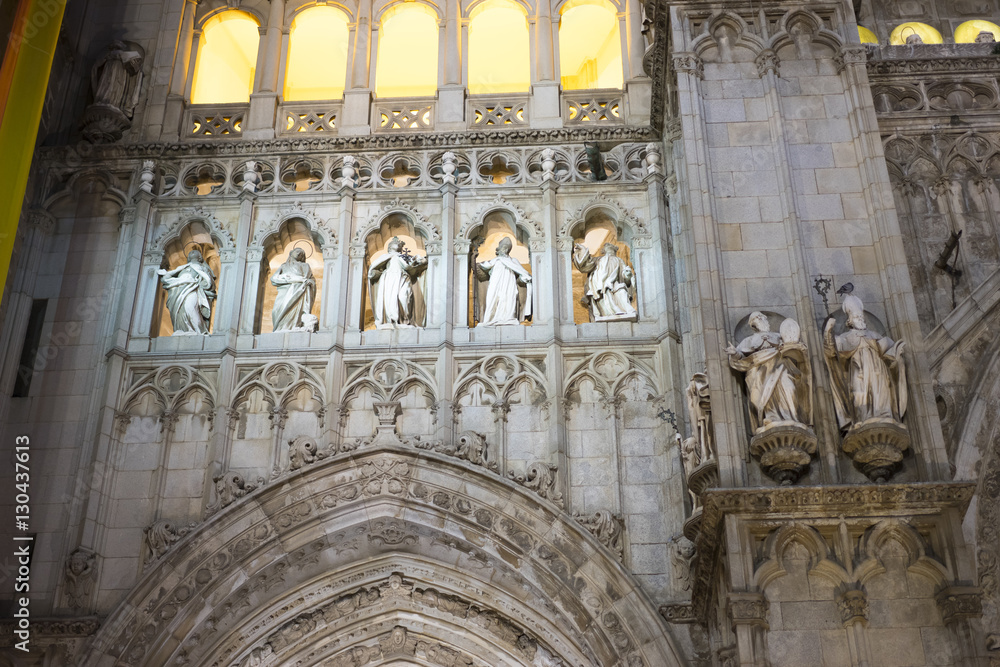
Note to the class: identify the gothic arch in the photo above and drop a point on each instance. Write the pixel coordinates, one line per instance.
(622, 217)
(500, 203)
(397, 206)
(739, 33)
(813, 23)
(78, 179)
(324, 237)
(475, 564)
(222, 236)
(293, 9)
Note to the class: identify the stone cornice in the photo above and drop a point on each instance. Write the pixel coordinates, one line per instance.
(44, 630)
(789, 503)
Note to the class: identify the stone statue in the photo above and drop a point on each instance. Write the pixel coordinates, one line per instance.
(868, 380)
(391, 287)
(116, 79)
(610, 284)
(296, 294)
(779, 389)
(682, 551)
(80, 576)
(506, 303)
(700, 447)
(159, 537)
(190, 292)
(777, 373)
(985, 37)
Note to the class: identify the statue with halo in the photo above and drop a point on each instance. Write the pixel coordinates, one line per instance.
(779, 392)
(391, 279)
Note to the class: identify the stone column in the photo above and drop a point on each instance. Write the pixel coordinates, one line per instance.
(748, 612)
(336, 284)
(264, 101)
(149, 285)
(460, 311)
(233, 271)
(961, 608)
(251, 287)
(443, 316)
(638, 86)
(354, 116)
(182, 73)
(545, 105)
(451, 90)
(852, 604)
(546, 264)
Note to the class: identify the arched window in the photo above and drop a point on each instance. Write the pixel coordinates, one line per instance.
(590, 48)
(915, 33)
(970, 31)
(317, 55)
(407, 64)
(227, 59)
(498, 48)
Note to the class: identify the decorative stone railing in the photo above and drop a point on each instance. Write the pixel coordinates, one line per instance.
(497, 112)
(308, 117)
(223, 120)
(593, 106)
(403, 115)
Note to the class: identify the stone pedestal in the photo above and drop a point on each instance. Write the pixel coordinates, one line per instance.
(876, 446)
(104, 124)
(705, 476)
(355, 114)
(784, 451)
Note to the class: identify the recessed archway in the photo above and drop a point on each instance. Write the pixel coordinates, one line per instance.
(388, 557)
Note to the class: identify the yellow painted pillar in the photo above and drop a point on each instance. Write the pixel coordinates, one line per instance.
(24, 76)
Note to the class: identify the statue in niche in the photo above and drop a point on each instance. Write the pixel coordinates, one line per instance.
(869, 379)
(296, 294)
(777, 373)
(116, 79)
(610, 284)
(80, 571)
(508, 295)
(391, 286)
(700, 447)
(190, 292)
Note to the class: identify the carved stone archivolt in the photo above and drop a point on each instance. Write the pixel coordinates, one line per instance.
(459, 522)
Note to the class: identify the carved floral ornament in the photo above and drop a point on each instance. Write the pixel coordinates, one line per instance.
(353, 496)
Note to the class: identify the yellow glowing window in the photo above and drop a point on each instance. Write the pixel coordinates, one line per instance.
(908, 33)
(969, 31)
(227, 58)
(866, 35)
(590, 50)
(317, 55)
(407, 64)
(498, 48)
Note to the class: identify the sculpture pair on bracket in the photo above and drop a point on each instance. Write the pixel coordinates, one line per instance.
(779, 389)
(869, 389)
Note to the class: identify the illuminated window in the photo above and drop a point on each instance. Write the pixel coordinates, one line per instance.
(969, 31)
(227, 58)
(915, 33)
(498, 48)
(317, 55)
(407, 62)
(867, 36)
(590, 50)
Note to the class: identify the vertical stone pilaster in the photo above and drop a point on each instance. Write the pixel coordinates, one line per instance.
(231, 279)
(852, 604)
(545, 266)
(961, 608)
(181, 75)
(748, 613)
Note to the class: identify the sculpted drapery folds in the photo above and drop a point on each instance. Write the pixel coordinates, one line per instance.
(610, 284)
(116, 78)
(296, 294)
(508, 296)
(391, 278)
(190, 292)
(777, 377)
(869, 379)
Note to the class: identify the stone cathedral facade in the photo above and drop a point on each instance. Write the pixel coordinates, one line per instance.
(511, 333)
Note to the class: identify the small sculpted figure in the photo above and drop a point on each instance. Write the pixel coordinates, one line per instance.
(504, 301)
(391, 278)
(116, 78)
(190, 292)
(296, 294)
(777, 373)
(869, 379)
(610, 284)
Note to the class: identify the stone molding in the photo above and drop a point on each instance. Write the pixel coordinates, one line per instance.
(958, 603)
(852, 604)
(51, 630)
(680, 613)
(748, 609)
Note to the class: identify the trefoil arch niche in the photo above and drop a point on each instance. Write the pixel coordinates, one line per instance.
(195, 235)
(395, 273)
(492, 225)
